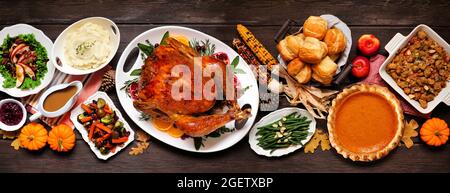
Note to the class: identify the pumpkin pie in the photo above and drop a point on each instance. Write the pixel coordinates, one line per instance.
(365, 122)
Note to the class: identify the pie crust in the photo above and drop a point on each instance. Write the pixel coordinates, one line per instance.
(377, 152)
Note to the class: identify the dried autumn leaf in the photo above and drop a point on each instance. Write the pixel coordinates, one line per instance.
(142, 136)
(319, 137)
(16, 144)
(139, 149)
(9, 134)
(313, 143)
(325, 142)
(409, 132)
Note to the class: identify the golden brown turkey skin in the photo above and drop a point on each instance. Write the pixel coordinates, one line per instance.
(155, 90)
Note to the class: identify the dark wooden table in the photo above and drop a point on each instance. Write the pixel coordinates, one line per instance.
(218, 18)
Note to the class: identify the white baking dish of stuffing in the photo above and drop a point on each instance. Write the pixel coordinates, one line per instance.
(418, 68)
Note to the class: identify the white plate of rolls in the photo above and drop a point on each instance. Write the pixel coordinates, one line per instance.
(317, 51)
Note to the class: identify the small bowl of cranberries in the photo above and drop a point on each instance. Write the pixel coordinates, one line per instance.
(12, 115)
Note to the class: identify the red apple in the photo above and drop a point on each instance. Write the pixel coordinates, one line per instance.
(368, 44)
(361, 67)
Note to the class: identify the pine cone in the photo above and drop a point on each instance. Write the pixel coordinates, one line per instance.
(108, 81)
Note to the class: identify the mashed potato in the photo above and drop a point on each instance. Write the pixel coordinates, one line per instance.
(87, 47)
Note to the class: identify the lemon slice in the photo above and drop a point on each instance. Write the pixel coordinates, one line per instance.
(181, 38)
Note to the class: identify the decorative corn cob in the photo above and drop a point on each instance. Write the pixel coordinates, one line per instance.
(257, 48)
(249, 57)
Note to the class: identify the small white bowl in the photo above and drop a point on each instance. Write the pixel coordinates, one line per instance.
(24, 116)
(272, 117)
(40, 106)
(58, 56)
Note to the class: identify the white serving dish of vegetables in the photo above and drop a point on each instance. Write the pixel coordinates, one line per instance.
(84, 132)
(282, 132)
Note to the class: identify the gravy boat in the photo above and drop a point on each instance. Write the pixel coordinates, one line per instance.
(40, 106)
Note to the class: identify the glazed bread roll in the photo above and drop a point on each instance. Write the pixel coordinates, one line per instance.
(289, 46)
(335, 41)
(315, 27)
(299, 70)
(285, 53)
(324, 71)
(312, 50)
(325, 81)
(334, 57)
(304, 75)
(294, 67)
(294, 42)
(326, 68)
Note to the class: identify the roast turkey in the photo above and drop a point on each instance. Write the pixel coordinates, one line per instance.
(195, 116)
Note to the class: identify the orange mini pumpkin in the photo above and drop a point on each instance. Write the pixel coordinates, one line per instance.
(33, 136)
(434, 132)
(61, 138)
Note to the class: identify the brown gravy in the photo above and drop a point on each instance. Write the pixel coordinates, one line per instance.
(59, 98)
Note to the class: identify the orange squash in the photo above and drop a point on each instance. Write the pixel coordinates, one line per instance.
(33, 136)
(434, 132)
(61, 138)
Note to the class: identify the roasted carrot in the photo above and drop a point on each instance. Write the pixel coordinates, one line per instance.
(86, 108)
(120, 140)
(91, 131)
(103, 127)
(107, 109)
(93, 105)
(103, 138)
(86, 119)
(113, 149)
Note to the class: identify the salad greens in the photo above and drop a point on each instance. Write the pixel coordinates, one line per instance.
(40, 63)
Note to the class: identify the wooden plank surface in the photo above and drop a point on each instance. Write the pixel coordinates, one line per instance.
(218, 18)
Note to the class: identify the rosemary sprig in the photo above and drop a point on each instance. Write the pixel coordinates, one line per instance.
(198, 141)
(127, 85)
(205, 48)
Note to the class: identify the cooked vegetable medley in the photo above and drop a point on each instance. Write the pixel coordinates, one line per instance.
(103, 126)
(421, 69)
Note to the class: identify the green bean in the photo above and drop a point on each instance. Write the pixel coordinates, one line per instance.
(295, 129)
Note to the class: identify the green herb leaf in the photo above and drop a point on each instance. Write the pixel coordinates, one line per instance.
(198, 142)
(163, 40)
(146, 49)
(238, 71)
(235, 62)
(144, 117)
(136, 72)
(247, 87)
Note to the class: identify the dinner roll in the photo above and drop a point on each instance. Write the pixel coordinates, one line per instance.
(285, 53)
(294, 67)
(312, 50)
(326, 68)
(299, 70)
(294, 42)
(335, 41)
(289, 46)
(323, 80)
(304, 75)
(316, 27)
(334, 57)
